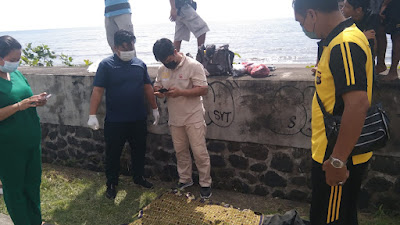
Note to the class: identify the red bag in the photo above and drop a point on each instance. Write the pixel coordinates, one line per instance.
(259, 71)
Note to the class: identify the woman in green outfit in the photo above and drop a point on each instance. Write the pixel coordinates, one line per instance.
(20, 138)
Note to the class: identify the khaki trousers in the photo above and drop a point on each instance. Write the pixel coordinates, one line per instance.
(193, 135)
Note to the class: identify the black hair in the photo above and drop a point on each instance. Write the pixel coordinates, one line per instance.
(326, 6)
(123, 36)
(364, 4)
(162, 49)
(7, 44)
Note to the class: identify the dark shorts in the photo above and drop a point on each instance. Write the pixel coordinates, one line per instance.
(392, 18)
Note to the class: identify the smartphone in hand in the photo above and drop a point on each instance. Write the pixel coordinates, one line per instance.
(163, 90)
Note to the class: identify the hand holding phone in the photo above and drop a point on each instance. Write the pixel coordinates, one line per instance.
(163, 90)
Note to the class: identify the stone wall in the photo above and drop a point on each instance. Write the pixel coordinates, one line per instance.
(258, 133)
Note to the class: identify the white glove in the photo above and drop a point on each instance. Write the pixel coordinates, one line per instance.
(93, 122)
(156, 116)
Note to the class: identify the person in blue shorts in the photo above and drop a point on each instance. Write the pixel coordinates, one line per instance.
(118, 16)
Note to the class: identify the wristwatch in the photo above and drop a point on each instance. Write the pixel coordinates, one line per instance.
(337, 163)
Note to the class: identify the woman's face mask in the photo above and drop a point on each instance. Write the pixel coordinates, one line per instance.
(127, 55)
(9, 66)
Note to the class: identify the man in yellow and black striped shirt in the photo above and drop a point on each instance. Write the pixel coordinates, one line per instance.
(343, 82)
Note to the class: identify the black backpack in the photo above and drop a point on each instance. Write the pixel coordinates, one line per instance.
(217, 61)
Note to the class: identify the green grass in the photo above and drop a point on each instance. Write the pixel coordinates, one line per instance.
(72, 196)
(76, 197)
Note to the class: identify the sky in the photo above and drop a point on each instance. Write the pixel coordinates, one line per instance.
(53, 14)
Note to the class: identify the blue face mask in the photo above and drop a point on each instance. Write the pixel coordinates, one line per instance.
(9, 67)
(311, 35)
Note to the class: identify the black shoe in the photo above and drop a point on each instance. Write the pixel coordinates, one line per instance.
(111, 191)
(142, 182)
(205, 192)
(182, 186)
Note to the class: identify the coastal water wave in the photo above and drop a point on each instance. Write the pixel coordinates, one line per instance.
(279, 41)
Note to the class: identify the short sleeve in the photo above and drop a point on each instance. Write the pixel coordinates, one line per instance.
(198, 76)
(101, 75)
(347, 64)
(146, 77)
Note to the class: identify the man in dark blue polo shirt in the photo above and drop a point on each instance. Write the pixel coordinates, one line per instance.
(126, 81)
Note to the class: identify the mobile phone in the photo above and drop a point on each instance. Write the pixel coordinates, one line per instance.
(163, 90)
(47, 96)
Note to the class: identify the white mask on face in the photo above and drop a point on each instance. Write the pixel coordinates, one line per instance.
(9, 67)
(127, 55)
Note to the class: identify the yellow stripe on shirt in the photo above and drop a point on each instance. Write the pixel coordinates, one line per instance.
(350, 61)
(346, 68)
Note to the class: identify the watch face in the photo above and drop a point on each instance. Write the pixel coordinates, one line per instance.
(336, 164)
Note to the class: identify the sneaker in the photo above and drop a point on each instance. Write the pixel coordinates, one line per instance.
(111, 191)
(182, 186)
(142, 182)
(205, 192)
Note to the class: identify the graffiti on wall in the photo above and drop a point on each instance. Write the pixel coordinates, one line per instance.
(220, 104)
(291, 111)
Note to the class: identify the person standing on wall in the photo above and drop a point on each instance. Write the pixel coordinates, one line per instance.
(343, 83)
(183, 81)
(183, 13)
(20, 138)
(390, 13)
(118, 16)
(127, 83)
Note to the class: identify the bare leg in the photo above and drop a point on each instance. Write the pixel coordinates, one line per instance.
(177, 45)
(381, 49)
(393, 75)
(201, 39)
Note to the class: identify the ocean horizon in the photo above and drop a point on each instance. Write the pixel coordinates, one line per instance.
(275, 41)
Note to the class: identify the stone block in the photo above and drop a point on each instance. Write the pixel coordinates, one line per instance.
(167, 142)
(305, 166)
(255, 151)
(299, 181)
(261, 190)
(282, 162)
(73, 141)
(61, 143)
(297, 195)
(63, 155)
(389, 165)
(223, 174)
(249, 177)
(259, 167)
(397, 186)
(378, 184)
(215, 146)
(239, 162)
(52, 135)
(169, 173)
(88, 146)
(278, 194)
(83, 132)
(98, 135)
(272, 179)
(63, 130)
(217, 161)
(299, 153)
(161, 155)
(51, 146)
(240, 186)
(234, 146)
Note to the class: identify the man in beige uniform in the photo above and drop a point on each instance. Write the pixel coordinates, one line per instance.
(184, 82)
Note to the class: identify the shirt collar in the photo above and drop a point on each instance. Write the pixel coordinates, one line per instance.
(337, 30)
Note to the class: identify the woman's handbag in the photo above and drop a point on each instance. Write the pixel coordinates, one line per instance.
(374, 134)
